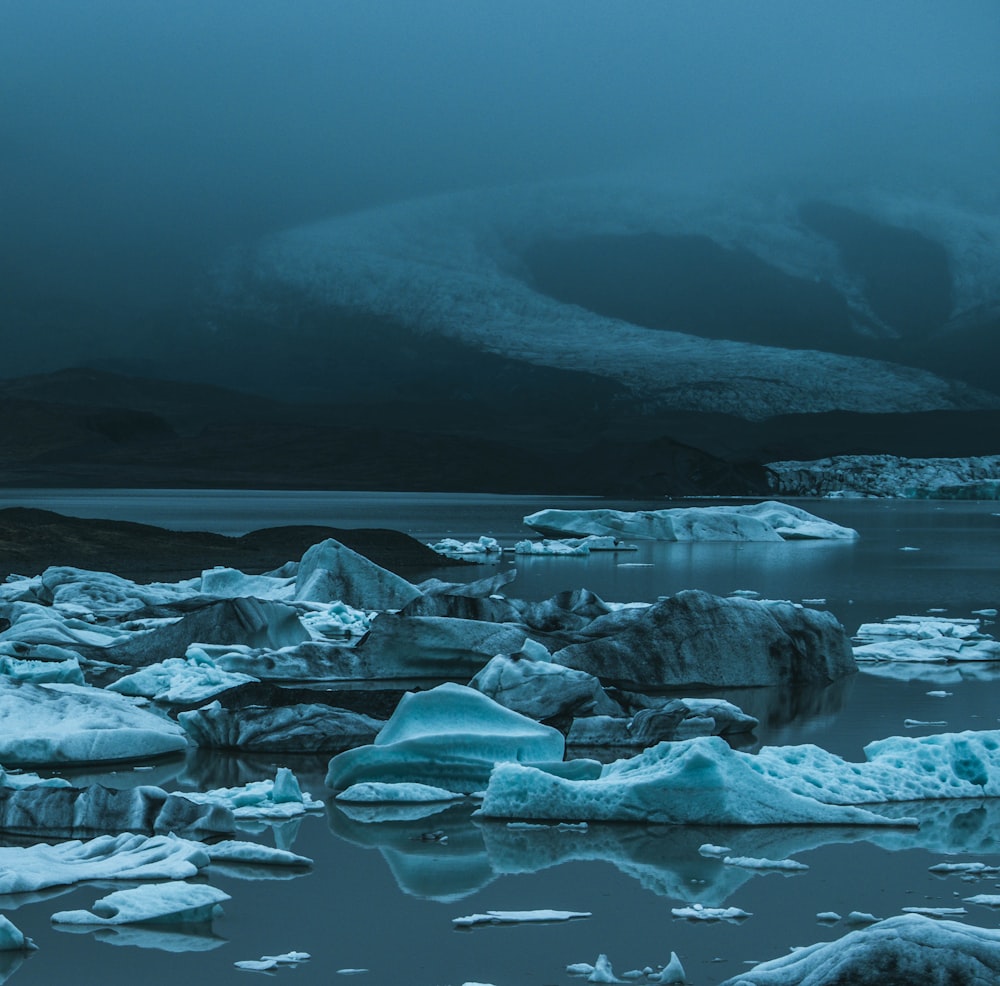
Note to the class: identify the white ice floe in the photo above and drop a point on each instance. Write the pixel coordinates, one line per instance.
(409, 793)
(571, 547)
(123, 857)
(160, 903)
(180, 680)
(936, 912)
(41, 672)
(704, 780)
(761, 863)
(12, 939)
(698, 912)
(452, 547)
(268, 962)
(767, 521)
(918, 949)
(965, 869)
(62, 723)
(987, 900)
(267, 799)
(450, 736)
(518, 917)
(924, 638)
(235, 853)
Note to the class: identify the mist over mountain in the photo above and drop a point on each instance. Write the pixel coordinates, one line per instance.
(498, 218)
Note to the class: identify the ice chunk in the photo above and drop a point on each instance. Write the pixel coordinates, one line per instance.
(760, 863)
(698, 912)
(40, 672)
(330, 571)
(379, 793)
(301, 728)
(162, 903)
(11, 938)
(277, 799)
(704, 780)
(452, 547)
(450, 737)
(122, 857)
(180, 681)
(518, 917)
(916, 948)
(767, 521)
(59, 723)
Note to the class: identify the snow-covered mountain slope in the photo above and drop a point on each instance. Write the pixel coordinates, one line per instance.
(453, 265)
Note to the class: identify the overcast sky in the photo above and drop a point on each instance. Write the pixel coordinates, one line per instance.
(140, 137)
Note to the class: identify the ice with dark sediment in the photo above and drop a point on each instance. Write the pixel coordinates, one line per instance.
(915, 947)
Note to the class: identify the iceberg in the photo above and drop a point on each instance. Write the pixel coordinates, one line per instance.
(180, 680)
(696, 639)
(54, 808)
(572, 547)
(278, 799)
(300, 728)
(704, 781)
(12, 939)
(453, 548)
(177, 902)
(122, 857)
(448, 737)
(909, 948)
(528, 682)
(767, 521)
(924, 639)
(331, 572)
(698, 781)
(518, 917)
(61, 723)
(41, 672)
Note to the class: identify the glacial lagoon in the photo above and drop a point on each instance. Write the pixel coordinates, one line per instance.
(385, 888)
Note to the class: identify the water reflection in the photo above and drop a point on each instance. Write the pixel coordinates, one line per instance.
(10, 962)
(450, 855)
(163, 938)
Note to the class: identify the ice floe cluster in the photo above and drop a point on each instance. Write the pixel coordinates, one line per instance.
(320, 657)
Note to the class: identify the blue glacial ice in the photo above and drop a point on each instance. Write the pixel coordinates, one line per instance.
(176, 902)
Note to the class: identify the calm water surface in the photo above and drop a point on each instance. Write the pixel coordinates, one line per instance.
(380, 897)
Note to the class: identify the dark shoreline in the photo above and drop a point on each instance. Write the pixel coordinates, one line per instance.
(31, 540)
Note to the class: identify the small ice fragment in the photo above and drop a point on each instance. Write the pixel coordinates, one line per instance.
(861, 917)
(672, 973)
(936, 912)
(908, 548)
(939, 694)
(287, 958)
(975, 869)
(698, 912)
(709, 850)
(910, 723)
(988, 900)
(813, 602)
(255, 965)
(517, 917)
(984, 612)
(11, 938)
(828, 917)
(603, 973)
(351, 972)
(753, 863)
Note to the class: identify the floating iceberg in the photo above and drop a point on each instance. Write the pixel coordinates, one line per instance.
(11, 938)
(910, 948)
(453, 548)
(518, 917)
(698, 781)
(704, 781)
(161, 903)
(448, 737)
(572, 547)
(122, 857)
(330, 572)
(767, 521)
(277, 799)
(696, 639)
(300, 728)
(61, 723)
(924, 639)
(180, 680)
